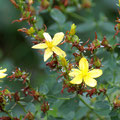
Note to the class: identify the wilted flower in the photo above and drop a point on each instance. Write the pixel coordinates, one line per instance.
(50, 45)
(83, 74)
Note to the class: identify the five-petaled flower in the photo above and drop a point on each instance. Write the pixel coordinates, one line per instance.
(2, 73)
(50, 45)
(83, 74)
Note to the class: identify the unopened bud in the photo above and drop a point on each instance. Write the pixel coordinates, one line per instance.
(30, 2)
(45, 3)
(96, 43)
(86, 3)
(40, 34)
(75, 38)
(63, 61)
(118, 26)
(104, 42)
(31, 31)
(96, 62)
(73, 29)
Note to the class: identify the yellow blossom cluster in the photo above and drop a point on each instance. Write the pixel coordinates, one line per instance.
(83, 74)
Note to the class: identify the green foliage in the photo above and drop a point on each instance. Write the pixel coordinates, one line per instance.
(54, 16)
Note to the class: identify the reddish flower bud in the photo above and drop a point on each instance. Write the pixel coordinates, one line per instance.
(45, 107)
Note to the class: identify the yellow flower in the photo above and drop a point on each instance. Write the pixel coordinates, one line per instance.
(83, 74)
(50, 45)
(2, 73)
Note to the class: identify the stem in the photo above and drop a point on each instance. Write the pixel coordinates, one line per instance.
(8, 114)
(90, 107)
(76, 16)
(108, 99)
(51, 96)
(21, 107)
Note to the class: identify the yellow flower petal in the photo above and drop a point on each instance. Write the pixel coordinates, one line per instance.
(74, 72)
(76, 80)
(58, 51)
(58, 37)
(90, 81)
(40, 46)
(2, 75)
(95, 73)
(83, 65)
(47, 54)
(3, 70)
(47, 36)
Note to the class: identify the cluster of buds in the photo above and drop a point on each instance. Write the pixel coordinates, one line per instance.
(28, 11)
(45, 107)
(4, 96)
(96, 62)
(29, 116)
(106, 44)
(44, 4)
(16, 96)
(30, 31)
(86, 4)
(116, 102)
(81, 89)
(19, 74)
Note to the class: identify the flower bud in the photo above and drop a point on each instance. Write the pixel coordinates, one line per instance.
(45, 3)
(96, 62)
(63, 61)
(30, 2)
(118, 26)
(75, 38)
(96, 43)
(73, 29)
(104, 42)
(45, 107)
(86, 3)
(77, 56)
(29, 116)
(40, 34)
(31, 31)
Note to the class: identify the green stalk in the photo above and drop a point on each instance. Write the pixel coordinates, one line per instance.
(21, 107)
(90, 107)
(8, 114)
(108, 99)
(76, 16)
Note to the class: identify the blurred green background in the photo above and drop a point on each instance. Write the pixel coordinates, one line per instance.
(15, 47)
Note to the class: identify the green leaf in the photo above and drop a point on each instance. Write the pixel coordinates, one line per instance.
(68, 106)
(114, 114)
(30, 107)
(85, 27)
(58, 16)
(107, 26)
(44, 89)
(81, 112)
(102, 108)
(39, 22)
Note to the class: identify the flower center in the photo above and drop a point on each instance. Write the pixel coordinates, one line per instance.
(49, 44)
(84, 74)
